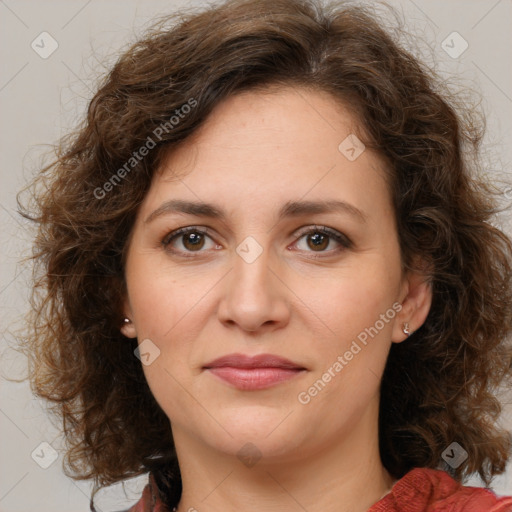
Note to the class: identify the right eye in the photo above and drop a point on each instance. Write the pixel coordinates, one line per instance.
(191, 239)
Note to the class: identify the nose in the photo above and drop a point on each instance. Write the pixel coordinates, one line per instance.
(255, 297)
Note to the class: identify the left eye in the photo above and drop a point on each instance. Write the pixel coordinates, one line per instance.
(193, 239)
(320, 237)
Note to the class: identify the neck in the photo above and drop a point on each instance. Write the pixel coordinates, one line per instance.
(339, 477)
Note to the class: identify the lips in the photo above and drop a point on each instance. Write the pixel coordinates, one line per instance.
(253, 372)
(259, 361)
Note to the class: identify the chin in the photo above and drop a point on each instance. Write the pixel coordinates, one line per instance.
(270, 435)
(251, 449)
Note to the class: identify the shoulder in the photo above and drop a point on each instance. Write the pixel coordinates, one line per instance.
(420, 490)
(432, 490)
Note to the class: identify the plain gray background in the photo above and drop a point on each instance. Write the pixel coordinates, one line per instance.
(41, 98)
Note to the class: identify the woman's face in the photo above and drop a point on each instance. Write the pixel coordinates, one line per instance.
(275, 169)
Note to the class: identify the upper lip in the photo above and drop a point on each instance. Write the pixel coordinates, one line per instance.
(258, 361)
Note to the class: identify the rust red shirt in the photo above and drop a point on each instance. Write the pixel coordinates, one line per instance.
(420, 490)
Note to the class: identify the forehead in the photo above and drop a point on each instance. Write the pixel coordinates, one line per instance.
(258, 150)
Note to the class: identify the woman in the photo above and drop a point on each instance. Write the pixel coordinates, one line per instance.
(269, 276)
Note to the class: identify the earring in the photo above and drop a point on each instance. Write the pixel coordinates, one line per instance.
(405, 328)
(127, 321)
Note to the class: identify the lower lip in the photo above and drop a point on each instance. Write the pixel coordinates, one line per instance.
(254, 378)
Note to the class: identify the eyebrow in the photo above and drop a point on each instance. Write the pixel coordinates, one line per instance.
(289, 209)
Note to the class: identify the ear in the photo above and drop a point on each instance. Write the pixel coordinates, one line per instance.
(416, 302)
(128, 328)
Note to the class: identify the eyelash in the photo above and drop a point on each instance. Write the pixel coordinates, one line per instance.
(343, 240)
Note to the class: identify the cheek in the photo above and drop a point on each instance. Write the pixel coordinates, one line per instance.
(167, 311)
(163, 298)
(352, 354)
(161, 305)
(350, 302)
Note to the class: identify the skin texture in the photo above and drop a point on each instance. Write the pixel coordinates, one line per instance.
(256, 152)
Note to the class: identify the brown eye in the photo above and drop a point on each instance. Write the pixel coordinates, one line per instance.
(317, 241)
(319, 238)
(185, 240)
(193, 241)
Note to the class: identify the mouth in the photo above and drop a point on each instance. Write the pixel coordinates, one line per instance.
(253, 372)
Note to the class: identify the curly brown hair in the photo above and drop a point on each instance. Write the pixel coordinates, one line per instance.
(437, 388)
